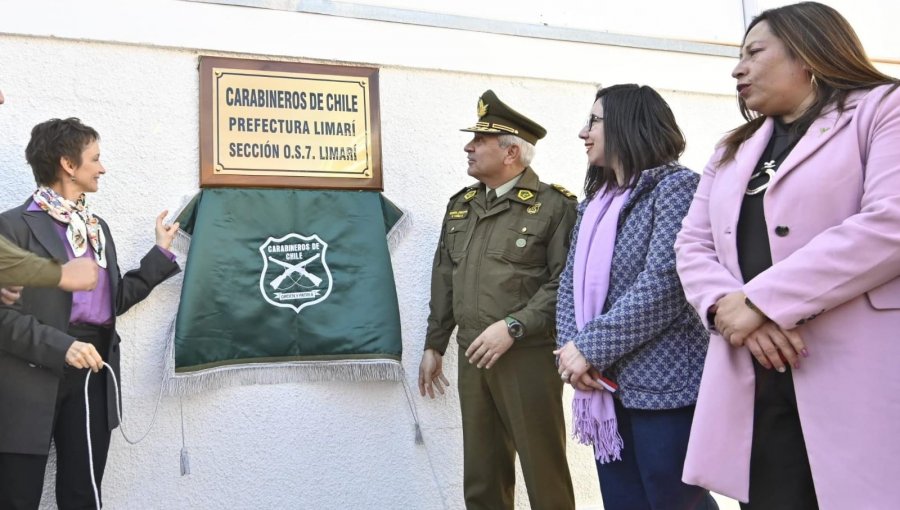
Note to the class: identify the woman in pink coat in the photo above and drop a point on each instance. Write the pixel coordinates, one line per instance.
(791, 254)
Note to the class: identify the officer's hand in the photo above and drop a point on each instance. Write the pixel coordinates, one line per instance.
(572, 364)
(84, 355)
(79, 274)
(431, 373)
(490, 345)
(9, 295)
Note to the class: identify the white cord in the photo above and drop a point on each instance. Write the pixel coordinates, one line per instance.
(87, 408)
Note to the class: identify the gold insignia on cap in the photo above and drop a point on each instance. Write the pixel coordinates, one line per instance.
(564, 191)
(524, 194)
(482, 108)
(534, 209)
(458, 215)
(470, 194)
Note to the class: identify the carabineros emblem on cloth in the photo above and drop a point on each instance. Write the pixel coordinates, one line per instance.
(295, 273)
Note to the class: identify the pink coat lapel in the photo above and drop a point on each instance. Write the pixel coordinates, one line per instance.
(729, 193)
(819, 133)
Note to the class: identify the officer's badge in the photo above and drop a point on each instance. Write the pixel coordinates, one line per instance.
(294, 272)
(482, 108)
(524, 194)
(534, 208)
(458, 215)
(470, 194)
(564, 191)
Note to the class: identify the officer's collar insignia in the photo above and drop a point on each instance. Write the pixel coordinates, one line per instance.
(458, 215)
(470, 194)
(482, 109)
(534, 208)
(524, 194)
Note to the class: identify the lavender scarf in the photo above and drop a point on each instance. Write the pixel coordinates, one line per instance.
(593, 413)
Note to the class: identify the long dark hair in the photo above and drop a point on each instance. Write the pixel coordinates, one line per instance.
(640, 132)
(826, 43)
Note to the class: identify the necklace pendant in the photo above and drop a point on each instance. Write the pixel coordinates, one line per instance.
(768, 168)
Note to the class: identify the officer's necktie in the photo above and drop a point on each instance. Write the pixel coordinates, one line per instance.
(491, 197)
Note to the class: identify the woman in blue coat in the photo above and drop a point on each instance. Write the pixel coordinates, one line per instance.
(621, 309)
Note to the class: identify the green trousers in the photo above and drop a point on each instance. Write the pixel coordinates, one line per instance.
(515, 407)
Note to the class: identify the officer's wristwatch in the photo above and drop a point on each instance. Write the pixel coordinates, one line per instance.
(515, 328)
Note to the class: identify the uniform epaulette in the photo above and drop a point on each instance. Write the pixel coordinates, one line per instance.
(566, 193)
(466, 194)
(459, 192)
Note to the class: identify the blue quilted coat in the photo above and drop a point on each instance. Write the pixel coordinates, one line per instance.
(648, 339)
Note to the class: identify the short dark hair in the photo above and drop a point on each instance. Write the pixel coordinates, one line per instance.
(640, 132)
(53, 140)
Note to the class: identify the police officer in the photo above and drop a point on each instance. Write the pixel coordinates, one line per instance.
(495, 275)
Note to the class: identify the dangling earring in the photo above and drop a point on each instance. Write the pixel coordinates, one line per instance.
(72, 178)
(813, 82)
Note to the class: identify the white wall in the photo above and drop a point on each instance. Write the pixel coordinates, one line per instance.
(129, 70)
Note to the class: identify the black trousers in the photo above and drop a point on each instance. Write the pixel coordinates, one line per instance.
(22, 476)
(780, 476)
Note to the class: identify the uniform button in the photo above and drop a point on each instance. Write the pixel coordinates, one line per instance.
(524, 229)
(782, 231)
(452, 229)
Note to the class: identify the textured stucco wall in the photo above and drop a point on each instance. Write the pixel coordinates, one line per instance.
(311, 445)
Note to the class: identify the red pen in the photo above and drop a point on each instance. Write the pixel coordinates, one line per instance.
(607, 383)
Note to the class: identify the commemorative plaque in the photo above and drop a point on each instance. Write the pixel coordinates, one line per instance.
(288, 125)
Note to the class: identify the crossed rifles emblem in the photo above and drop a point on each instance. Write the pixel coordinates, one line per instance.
(299, 268)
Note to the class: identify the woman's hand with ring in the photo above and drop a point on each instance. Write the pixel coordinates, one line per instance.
(572, 364)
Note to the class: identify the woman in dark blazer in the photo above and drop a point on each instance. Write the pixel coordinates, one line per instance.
(50, 337)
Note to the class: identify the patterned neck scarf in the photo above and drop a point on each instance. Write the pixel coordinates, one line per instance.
(83, 227)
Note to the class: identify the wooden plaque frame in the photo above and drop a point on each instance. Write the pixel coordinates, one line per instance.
(366, 174)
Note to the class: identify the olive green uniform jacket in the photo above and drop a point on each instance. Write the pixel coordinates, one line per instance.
(501, 260)
(19, 267)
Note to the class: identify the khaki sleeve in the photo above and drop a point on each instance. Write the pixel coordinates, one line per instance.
(440, 317)
(19, 267)
(539, 315)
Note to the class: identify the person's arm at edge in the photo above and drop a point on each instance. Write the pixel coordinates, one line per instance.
(19, 267)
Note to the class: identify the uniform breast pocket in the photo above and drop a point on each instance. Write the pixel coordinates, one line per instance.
(522, 240)
(456, 237)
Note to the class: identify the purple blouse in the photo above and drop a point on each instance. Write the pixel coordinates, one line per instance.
(91, 306)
